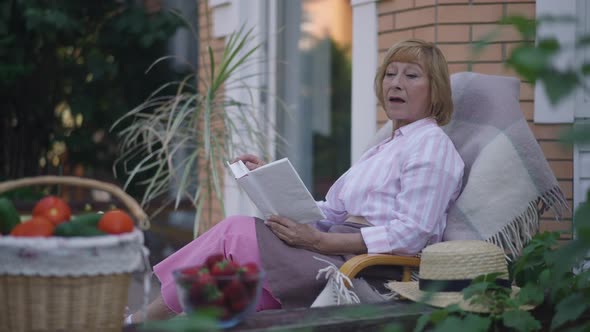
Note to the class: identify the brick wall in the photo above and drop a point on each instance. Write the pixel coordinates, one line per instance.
(455, 25)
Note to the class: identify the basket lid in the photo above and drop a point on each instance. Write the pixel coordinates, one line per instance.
(76, 256)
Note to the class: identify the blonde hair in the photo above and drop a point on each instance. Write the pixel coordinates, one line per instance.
(434, 64)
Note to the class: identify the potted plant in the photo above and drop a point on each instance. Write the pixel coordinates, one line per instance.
(183, 133)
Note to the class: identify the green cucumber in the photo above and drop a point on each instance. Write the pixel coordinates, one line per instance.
(83, 230)
(69, 229)
(88, 219)
(8, 216)
(64, 229)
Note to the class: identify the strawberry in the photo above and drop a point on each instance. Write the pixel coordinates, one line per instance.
(213, 259)
(249, 270)
(215, 297)
(204, 291)
(196, 295)
(224, 268)
(189, 271)
(249, 274)
(203, 270)
(205, 279)
(235, 295)
(239, 305)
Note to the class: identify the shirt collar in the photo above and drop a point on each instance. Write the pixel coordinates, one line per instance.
(414, 126)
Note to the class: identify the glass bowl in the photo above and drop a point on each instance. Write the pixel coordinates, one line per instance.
(234, 296)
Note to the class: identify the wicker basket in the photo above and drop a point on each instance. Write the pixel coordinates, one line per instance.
(69, 284)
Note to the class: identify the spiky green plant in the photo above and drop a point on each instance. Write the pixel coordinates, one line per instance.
(183, 128)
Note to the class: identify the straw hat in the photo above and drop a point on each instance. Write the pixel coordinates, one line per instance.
(449, 267)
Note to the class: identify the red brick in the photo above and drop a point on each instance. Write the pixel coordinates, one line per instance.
(457, 67)
(522, 9)
(426, 33)
(386, 40)
(414, 18)
(424, 3)
(492, 52)
(385, 23)
(453, 33)
(562, 169)
(555, 150)
(455, 52)
(548, 131)
(469, 13)
(394, 6)
(502, 32)
(527, 92)
(528, 109)
(550, 225)
(444, 2)
(497, 68)
(567, 187)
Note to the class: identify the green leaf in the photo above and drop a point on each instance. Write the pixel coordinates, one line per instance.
(580, 328)
(559, 85)
(393, 327)
(203, 320)
(582, 214)
(439, 316)
(531, 294)
(550, 45)
(530, 62)
(422, 322)
(569, 309)
(579, 134)
(544, 278)
(526, 27)
(471, 322)
(520, 320)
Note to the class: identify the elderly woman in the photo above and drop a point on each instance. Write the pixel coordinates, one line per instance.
(393, 200)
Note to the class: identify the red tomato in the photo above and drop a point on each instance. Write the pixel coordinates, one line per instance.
(115, 222)
(36, 226)
(53, 209)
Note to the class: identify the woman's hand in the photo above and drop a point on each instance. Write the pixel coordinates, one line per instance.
(250, 160)
(295, 234)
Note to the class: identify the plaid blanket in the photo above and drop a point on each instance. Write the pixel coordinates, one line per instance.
(507, 182)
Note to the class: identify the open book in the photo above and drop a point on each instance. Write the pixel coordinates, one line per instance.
(277, 189)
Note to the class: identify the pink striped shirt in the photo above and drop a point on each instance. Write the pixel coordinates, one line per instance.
(403, 187)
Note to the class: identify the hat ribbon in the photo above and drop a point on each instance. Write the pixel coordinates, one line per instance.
(455, 285)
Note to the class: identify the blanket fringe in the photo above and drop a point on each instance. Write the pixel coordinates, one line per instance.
(554, 199)
(518, 232)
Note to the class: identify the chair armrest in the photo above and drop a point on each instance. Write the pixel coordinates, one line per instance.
(353, 266)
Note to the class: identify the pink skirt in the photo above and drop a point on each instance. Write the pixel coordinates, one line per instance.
(235, 238)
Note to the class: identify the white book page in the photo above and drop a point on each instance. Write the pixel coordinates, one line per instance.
(248, 184)
(239, 169)
(276, 188)
(286, 192)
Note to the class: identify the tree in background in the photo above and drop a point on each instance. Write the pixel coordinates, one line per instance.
(332, 153)
(68, 69)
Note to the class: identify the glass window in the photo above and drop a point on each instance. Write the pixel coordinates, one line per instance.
(314, 85)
